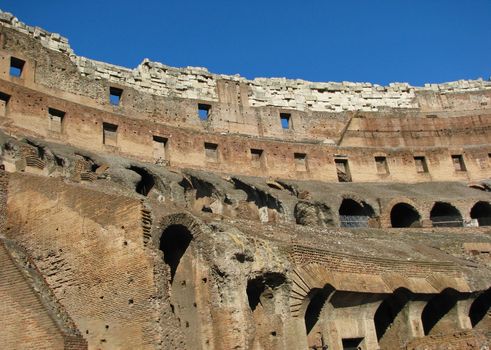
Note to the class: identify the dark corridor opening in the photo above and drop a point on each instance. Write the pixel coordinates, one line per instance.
(146, 183)
(388, 311)
(354, 214)
(173, 243)
(445, 215)
(480, 307)
(482, 212)
(404, 215)
(437, 308)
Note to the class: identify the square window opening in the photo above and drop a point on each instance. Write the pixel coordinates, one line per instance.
(342, 169)
(421, 166)
(256, 157)
(159, 147)
(458, 162)
(115, 95)
(211, 151)
(4, 100)
(110, 134)
(204, 111)
(16, 67)
(286, 120)
(55, 119)
(300, 161)
(382, 166)
(352, 343)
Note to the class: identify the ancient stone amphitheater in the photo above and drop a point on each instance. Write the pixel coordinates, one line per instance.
(173, 208)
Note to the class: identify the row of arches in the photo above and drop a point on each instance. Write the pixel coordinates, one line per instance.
(392, 315)
(357, 214)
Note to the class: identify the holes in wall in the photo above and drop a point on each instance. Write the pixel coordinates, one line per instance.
(55, 120)
(481, 211)
(211, 152)
(16, 67)
(115, 95)
(458, 162)
(354, 214)
(420, 163)
(109, 134)
(4, 101)
(260, 290)
(286, 121)
(204, 111)
(445, 215)
(257, 158)
(174, 242)
(159, 144)
(300, 161)
(146, 183)
(404, 215)
(382, 165)
(343, 170)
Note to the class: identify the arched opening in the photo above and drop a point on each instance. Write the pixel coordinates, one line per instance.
(354, 214)
(260, 290)
(445, 215)
(404, 215)
(436, 308)
(482, 212)
(146, 182)
(480, 308)
(388, 311)
(317, 298)
(173, 243)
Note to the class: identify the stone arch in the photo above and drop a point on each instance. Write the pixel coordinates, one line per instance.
(353, 213)
(389, 309)
(444, 214)
(317, 297)
(403, 214)
(480, 308)
(481, 211)
(437, 307)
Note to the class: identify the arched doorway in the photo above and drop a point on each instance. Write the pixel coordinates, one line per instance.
(354, 214)
(404, 215)
(436, 308)
(388, 311)
(482, 212)
(445, 215)
(174, 242)
(480, 308)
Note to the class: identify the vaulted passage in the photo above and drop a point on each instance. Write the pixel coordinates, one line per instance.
(482, 212)
(173, 243)
(404, 215)
(445, 215)
(318, 298)
(437, 308)
(388, 311)
(146, 183)
(480, 308)
(354, 214)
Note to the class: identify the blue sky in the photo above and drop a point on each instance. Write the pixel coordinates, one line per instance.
(378, 41)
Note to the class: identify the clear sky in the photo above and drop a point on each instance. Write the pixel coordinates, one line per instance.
(378, 41)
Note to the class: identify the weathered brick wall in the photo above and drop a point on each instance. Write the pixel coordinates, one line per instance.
(89, 246)
(25, 322)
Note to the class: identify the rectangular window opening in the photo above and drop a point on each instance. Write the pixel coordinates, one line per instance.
(16, 67)
(421, 166)
(4, 100)
(342, 169)
(115, 95)
(55, 120)
(204, 111)
(285, 120)
(382, 166)
(159, 147)
(300, 161)
(110, 134)
(352, 343)
(211, 152)
(257, 157)
(458, 162)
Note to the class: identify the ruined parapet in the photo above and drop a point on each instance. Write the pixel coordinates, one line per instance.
(197, 83)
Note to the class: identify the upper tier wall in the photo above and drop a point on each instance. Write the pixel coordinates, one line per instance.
(198, 83)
